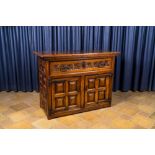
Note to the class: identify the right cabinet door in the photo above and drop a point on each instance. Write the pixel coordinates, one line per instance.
(97, 89)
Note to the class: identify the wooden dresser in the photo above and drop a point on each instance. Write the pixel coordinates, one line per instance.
(73, 83)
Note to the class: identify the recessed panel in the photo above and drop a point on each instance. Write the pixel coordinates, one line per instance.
(59, 102)
(72, 100)
(72, 86)
(59, 87)
(91, 97)
(101, 95)
(91, 83)
(101, 82)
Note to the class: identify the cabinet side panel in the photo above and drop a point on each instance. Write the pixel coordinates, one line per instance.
(43, 84)
(112, 77)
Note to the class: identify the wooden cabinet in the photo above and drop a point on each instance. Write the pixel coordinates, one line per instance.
(73, 83)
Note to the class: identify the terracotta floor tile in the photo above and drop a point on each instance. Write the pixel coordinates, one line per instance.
(129, 110)
(3, 108)
(153, 116)
(2, 117)
(100, 126)
(146, 108)
(122, 124)
(57, 125)
(138, 127)
(20, 125)
(69, 120)
(126, 117)
(7, 122)
(88, 116)
(42, 123)
(1, 127)
(143, 121)
(18, 116)
(110, 114)
(31, 109)
(39, 113)
(81, 124)
(8, 112)
(19, 106)
(145, 114)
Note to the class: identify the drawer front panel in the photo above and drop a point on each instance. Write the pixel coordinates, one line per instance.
(80, 66)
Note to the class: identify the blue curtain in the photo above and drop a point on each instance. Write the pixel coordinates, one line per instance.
(134, 70)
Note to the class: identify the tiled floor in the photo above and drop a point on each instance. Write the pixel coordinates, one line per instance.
(129, 110)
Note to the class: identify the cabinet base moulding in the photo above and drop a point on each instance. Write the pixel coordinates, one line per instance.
(70, 112)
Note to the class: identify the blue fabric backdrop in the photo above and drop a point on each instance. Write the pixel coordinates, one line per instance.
(135, 68)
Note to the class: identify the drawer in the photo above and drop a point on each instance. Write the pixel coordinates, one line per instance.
(80, 66)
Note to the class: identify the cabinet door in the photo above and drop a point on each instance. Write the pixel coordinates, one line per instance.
(97, 89)
(66, 94)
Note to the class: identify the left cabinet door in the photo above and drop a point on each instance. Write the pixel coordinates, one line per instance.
(66, 94)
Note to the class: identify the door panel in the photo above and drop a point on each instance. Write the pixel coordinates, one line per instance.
(90, 97)
(60, 87)
(101, 95)
(66, 94)
(102, 81)
(60, 103)
(91, 83)
(97, 89)
(73, 86)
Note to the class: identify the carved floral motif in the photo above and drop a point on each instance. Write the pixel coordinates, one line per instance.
(81, 65)
(101, 64)
(78, 66)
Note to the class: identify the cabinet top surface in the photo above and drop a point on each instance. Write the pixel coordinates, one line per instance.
(76, 56)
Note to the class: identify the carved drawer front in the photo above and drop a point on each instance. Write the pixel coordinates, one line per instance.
(57, 68)
(97, 89)
(66, 94)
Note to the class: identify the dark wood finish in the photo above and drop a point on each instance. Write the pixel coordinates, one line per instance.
(73, 83)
